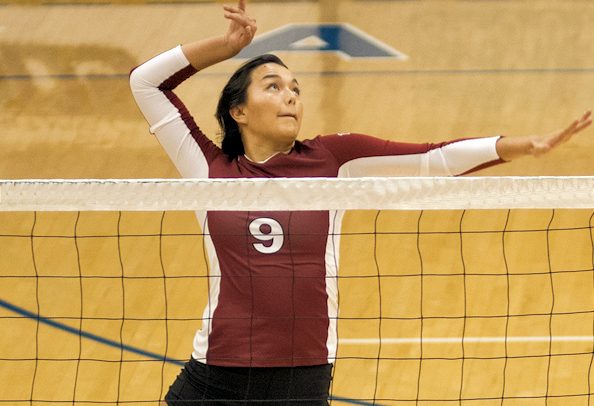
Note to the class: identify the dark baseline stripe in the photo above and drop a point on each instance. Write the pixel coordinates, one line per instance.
(329, 73)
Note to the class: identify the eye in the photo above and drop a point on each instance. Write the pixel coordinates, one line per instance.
(297, 91)
(273, 86)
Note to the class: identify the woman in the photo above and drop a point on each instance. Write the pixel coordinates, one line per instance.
(269, 329)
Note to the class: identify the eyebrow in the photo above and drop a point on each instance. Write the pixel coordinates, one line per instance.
(275, 76)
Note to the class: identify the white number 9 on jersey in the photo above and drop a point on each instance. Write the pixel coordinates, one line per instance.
(270, 231)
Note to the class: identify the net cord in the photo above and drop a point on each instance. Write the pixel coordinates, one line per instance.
(288, 194)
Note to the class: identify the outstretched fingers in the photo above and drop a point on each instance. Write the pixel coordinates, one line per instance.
(576, 126)
(537, 145)
(240, 6)
(559, 137)
(238, 14)
(241, 19)
(242, 29)
(584, 121)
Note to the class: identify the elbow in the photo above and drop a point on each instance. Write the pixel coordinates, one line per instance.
(137, 81)
(132, 71)
(133, 79)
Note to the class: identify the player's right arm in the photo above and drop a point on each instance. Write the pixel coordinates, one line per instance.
(152, 85)
(153, 82)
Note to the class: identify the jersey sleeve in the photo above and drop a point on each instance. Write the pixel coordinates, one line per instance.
(152, 85)
(363, 156)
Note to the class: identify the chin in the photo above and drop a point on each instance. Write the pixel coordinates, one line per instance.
(289, 135)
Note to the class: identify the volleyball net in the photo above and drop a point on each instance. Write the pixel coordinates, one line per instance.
(472, 290)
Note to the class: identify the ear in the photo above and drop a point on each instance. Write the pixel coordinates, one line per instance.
(238, 114)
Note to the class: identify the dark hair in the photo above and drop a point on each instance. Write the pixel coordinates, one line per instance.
(234, 94)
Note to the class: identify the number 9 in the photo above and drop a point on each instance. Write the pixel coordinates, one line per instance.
(275, 235)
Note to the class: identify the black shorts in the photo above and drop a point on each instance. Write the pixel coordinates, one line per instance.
(208, 385)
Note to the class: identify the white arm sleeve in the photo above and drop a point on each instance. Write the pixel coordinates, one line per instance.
(163, 117)
(450, 160)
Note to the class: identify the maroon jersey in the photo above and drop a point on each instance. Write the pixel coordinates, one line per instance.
(273, 287)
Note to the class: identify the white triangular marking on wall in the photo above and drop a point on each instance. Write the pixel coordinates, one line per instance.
(311, 42)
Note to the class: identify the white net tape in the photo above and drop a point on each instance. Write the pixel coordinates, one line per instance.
(282, 194)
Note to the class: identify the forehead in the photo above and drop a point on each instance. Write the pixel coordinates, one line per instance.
(272, 70)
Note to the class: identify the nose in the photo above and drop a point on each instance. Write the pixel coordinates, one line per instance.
(290, 97)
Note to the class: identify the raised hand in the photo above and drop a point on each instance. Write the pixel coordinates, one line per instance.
(206, 52)
(242, 28)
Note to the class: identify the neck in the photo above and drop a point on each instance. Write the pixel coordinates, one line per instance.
(256, 153)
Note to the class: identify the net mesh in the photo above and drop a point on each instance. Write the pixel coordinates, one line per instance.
(99, 302)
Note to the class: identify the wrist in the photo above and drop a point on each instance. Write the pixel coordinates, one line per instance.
(204, 53)
(509, 149)
(228, 46)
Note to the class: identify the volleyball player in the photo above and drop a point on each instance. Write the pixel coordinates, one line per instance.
(269, 329)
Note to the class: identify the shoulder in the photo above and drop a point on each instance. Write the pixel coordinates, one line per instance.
(346, 146)
(331, 141)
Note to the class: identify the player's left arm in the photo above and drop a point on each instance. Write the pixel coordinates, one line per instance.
(510, 148)
(360, 155)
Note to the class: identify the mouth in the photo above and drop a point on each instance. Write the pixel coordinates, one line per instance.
(293, 116)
